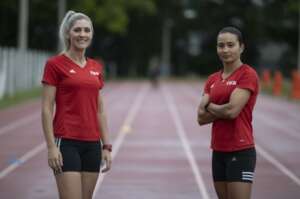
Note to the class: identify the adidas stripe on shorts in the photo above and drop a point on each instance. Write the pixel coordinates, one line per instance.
(237, 166)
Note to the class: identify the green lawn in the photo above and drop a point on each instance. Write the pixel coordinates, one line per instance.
(19, 97)
(8, 101)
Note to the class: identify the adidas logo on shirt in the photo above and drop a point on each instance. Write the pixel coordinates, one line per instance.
(72, 71)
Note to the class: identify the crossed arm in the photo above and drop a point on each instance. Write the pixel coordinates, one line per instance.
(209, 112)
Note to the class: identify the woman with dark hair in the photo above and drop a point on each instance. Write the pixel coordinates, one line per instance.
(77, 137)
(227, 102)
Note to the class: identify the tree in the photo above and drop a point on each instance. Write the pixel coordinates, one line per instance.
(113, 14)
(129, 32)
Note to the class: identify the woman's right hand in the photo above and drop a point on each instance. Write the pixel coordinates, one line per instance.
(55, 159)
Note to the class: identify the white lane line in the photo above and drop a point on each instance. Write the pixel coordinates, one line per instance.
(17, 123)
(277, 164)
(280, 105)
(268, 156)
(124, 130)
(185, 143)
(22, 160)
(260, 116)
(19, 161)
(34, 116)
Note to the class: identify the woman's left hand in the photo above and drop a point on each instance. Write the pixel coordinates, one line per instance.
(107, 160)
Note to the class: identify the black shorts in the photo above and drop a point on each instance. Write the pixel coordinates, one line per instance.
(80, 155)
(237, 166)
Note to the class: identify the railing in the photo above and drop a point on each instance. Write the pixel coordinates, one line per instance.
(20, 70)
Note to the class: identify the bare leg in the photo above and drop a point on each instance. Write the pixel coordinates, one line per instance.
(239, 190)
(221, 189)
(89, 180)
(69, 185)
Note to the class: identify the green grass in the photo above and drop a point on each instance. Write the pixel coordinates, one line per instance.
(19, 97)
(23, 96)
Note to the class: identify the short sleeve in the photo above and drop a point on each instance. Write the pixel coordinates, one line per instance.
(249, 80)
(207, 85)
(50, 75)
(206, 88)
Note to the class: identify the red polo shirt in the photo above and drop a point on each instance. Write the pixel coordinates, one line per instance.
(235, 134)
(76, 97)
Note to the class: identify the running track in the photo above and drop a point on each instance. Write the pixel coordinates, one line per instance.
(159, 150)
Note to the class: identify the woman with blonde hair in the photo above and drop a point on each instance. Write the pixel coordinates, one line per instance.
(77, 137)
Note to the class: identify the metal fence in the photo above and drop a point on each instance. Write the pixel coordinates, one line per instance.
(20, 70)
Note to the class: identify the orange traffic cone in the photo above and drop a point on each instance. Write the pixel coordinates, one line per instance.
(277, 84)
(295, 85)
(266, 78)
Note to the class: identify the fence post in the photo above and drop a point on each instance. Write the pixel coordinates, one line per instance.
(3, 72)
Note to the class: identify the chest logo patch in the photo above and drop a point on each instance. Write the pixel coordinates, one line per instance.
(72, 71)
(95, 73)
(229, 83)
(212, 85)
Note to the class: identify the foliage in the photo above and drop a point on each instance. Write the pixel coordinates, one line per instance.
(113, 14)
(129, 32)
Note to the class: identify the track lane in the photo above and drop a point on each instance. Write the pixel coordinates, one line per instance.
(26, 178)
(15, 135)
(151, 163)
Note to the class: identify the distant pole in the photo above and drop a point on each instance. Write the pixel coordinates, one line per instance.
(23, 25)
(298, 37)
(166, 47)
(61, 4)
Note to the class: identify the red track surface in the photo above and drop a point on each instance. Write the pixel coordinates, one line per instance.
(159, 150)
